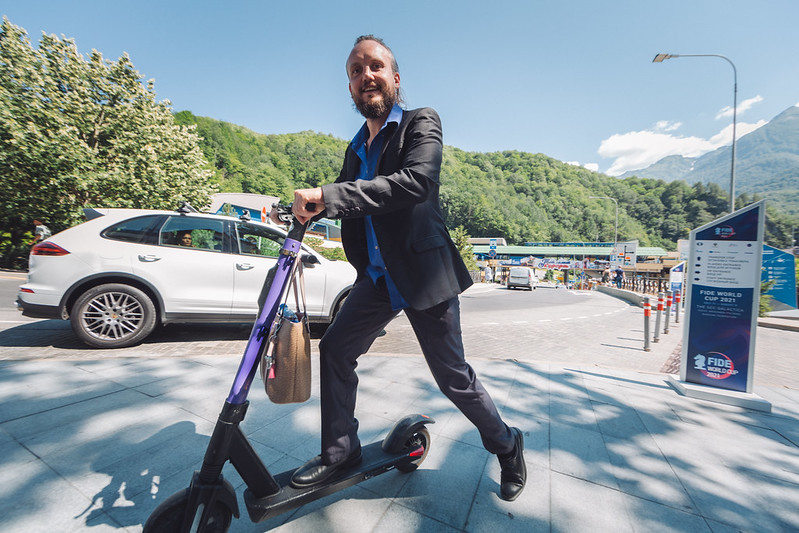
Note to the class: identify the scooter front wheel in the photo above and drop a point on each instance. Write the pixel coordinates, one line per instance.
(168, 516)
(420, 438)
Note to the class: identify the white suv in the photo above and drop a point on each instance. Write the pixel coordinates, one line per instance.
(125, 270)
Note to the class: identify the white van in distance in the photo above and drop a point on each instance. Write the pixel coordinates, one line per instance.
(521, 277)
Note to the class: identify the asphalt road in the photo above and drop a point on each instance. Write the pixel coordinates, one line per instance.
(545, 325)
(9, 283)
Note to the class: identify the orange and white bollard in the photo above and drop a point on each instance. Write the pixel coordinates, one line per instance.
(677, 305)
(647, 313)
(657, 318)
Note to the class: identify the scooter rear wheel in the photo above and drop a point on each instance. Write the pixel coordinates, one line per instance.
(420, 437)
(167, 517)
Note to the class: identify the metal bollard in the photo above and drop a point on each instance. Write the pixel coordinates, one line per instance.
(657, 318)
(668, 312)
(677, 307)
(647, 312)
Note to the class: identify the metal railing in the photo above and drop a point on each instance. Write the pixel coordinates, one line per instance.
(646, 284)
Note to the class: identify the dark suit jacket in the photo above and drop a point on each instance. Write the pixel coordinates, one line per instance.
(403, 202)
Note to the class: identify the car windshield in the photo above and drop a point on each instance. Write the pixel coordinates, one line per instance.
(258, 240)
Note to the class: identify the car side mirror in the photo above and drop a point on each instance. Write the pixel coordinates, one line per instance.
(309, 260)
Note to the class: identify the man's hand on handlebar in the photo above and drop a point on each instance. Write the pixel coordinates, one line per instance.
(307, 204)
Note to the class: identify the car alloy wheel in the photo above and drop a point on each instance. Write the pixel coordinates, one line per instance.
(113, 315)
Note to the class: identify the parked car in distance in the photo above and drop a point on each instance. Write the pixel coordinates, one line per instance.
(521, 277)
(124, 271)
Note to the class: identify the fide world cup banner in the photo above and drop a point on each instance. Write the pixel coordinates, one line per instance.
(723, 285)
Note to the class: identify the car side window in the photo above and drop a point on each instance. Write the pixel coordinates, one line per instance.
(140, 230)
(190, 232)
(258, 240)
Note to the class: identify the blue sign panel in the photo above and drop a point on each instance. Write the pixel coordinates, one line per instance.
(780, 267)
(723, 277)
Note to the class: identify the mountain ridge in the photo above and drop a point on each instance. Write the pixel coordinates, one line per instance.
(766, 164)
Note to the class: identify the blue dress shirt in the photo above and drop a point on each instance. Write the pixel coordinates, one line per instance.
(369, 158)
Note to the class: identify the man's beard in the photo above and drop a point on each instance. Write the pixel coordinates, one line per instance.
(378, 107)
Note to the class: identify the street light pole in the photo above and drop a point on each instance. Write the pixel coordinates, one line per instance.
(616, 232)
(662, 57)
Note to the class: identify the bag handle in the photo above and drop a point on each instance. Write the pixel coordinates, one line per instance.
(301, 283)
(297, 272)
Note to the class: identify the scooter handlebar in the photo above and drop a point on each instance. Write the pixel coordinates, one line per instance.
(284, 213)
(296, 230)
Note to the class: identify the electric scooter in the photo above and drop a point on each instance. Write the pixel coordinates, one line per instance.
(210, 502)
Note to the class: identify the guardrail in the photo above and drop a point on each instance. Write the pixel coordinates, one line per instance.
(630, 296)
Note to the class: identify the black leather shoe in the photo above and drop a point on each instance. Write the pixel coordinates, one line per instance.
(314, 472)
(514, 471)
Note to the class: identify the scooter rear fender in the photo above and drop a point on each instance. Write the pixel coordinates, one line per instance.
(404, 430)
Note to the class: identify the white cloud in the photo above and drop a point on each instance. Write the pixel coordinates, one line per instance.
(743, 107)
(724, 137)
(590, 166)
(639, 149)
(665, 125)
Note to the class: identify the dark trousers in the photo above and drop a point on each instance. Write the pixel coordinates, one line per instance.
(364, 314)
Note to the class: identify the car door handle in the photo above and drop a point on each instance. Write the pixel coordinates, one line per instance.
(149, 258)
(244, 266)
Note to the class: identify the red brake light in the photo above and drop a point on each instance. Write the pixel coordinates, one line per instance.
(48, 248)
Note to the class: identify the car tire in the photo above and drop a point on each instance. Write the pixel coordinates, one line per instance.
(113, 315)
(338, 306)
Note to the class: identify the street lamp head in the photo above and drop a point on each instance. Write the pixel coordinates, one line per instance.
(662, 57)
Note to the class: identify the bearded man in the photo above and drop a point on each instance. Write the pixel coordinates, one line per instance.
(393, 233)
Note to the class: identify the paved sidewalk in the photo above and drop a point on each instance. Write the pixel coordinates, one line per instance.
(95, 444)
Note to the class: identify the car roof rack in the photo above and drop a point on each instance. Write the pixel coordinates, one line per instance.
(186, 207)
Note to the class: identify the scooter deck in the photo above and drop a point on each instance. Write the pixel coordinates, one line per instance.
(375, 462)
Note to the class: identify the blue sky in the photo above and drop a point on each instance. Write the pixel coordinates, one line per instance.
(570, 79)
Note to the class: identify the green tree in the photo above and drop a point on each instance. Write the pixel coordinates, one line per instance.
(334, 254)
(765, 299)
(461, 240)
(81, 132)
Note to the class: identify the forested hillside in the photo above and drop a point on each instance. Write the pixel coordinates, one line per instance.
(520, 196)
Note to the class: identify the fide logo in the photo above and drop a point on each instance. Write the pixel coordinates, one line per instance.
(714, 365)
(725, 232)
